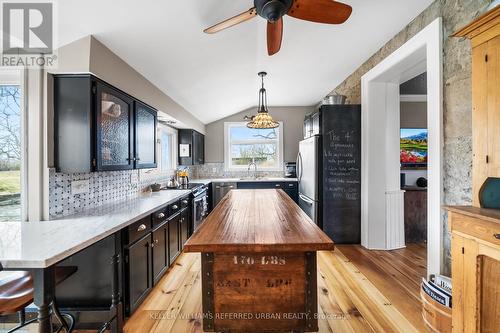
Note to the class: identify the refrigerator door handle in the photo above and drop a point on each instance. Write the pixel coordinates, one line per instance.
(299, 166)
(306, 199)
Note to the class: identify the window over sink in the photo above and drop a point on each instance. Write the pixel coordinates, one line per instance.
(243, 145)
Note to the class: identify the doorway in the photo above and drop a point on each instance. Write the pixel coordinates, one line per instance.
(383, 229)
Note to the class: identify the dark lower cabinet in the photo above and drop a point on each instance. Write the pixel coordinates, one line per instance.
(160, 251)
(139, 274)
(291, 188)
(173, 237)
(184, 227)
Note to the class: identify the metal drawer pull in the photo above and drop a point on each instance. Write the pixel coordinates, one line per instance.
(152, 244)
(156, 241)
(497, 236)
(161, 215)
(290, 185)
(184, 202)
(277, 185)
(175, 207)
(141, 227)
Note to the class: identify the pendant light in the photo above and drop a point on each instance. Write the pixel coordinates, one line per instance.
(262, 119)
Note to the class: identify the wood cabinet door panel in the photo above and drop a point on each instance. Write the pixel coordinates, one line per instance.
(489, 284)
(479, 119)
(173, 237)
(160, 252)
(138, 272)
(493, 118)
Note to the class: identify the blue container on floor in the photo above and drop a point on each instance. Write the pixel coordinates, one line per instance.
(489, 194)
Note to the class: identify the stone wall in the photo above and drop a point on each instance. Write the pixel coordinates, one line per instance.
(457, 150)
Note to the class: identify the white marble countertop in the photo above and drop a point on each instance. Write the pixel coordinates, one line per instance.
(41, 244)
(241, 180)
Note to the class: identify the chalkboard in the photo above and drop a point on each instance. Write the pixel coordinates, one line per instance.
(341, 172)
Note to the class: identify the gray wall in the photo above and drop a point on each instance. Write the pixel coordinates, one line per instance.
(413, 114)
(457, 150)
(292, 117)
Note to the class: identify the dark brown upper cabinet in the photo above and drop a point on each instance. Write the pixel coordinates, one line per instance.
(196, 145)
(98, 127)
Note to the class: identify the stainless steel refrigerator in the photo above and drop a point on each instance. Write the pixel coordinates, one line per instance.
(329, 171)
(308, 175)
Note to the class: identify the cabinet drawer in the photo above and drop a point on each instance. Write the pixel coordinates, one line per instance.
(138, 229)
(174, 208)
(184, 202)
(160, 216)
(484, 230)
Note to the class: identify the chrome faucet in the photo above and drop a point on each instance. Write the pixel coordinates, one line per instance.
(255, 168)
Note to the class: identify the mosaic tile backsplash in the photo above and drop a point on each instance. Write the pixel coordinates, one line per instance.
(113, 186)
(216, 170)
(104, 187)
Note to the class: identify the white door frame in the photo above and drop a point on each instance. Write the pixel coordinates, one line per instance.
(380, 165)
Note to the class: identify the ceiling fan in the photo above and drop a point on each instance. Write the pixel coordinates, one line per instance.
(320, 11)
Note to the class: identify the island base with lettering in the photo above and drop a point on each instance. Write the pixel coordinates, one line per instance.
(259, 291)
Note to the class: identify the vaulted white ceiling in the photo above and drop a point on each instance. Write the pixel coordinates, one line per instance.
(213, 76)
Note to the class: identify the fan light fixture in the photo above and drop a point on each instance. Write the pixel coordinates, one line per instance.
(262, 119)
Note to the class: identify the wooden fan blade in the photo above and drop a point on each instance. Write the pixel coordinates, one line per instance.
(274, 36)
(240, 18)
(320, 11)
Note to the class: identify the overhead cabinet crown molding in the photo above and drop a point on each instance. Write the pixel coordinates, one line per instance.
(100, 128)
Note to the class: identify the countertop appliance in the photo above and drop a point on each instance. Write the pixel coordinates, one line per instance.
(329, 173)
(220, 190)
(290, 170)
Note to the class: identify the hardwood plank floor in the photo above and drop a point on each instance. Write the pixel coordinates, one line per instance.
(396, 274)
(352, 294)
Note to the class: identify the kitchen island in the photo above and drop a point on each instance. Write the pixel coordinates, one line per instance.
(258, 252)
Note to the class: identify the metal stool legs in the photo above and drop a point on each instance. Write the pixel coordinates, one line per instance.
(67, 324)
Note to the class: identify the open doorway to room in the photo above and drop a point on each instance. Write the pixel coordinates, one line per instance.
(382, 199)
(413, 159)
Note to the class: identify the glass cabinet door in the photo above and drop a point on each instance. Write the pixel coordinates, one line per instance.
(145, 136)
(114, 132)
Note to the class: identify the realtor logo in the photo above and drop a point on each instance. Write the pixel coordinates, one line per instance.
(27, 28)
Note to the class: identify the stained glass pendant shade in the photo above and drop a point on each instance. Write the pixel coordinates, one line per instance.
(262, 119)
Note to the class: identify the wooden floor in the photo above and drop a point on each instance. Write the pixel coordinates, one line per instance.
(358, 291)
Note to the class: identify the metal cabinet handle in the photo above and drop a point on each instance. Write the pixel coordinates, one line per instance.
(137, 159)
(152, 245)
(184, 202)
(156, 241)
(175, 207)
(231, 186)
(161, 215)
(497, 236)
(141, 227)
(290, 185)
(277, 185)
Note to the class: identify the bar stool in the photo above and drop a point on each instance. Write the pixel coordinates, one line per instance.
(16, 293)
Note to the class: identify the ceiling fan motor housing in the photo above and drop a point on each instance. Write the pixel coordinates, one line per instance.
(272, 10)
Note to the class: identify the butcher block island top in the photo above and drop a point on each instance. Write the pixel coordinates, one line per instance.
(258, 221)
(258, 263)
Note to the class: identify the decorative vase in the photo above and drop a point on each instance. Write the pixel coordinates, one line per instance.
(489, 194)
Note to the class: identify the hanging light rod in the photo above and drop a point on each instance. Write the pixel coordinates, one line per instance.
(262, 119)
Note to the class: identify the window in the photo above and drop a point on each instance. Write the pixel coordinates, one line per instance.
(167, 152)
(244, 145)
(11, 146)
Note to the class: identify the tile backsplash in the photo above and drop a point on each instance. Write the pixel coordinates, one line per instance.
(113, 186)
(104, 187)
(217, 170)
